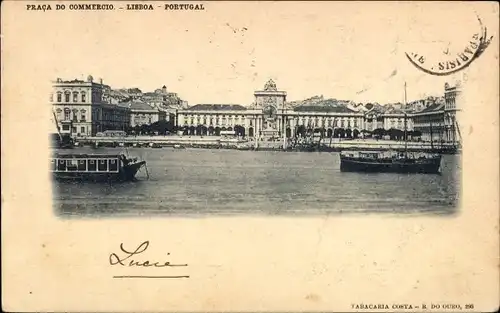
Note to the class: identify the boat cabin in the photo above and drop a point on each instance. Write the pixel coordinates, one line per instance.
(85, 163)
(369, 155)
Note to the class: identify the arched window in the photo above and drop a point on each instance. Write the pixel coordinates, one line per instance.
(83, 114)
(84, 96)
(75, 96)
(67, 114)
(59, 96)
(66, 96)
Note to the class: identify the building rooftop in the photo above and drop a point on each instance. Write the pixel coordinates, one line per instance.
(394, 110)
(433, 107)
(137, 105)
(217, 107)
(323, 109)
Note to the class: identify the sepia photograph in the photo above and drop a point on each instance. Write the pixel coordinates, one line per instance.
(159, 154)
(250, 156)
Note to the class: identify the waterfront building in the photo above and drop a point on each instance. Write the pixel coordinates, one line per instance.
(142, 113)
(437, 122)
(165, 101)
(270, 115)
(452, 94)
(80, 109)
(387, 117)
(84, 108)
(430, 122)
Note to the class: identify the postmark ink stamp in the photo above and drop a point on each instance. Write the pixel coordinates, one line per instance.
(448, 62)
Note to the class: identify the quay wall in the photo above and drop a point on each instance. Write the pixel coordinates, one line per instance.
(213, 141)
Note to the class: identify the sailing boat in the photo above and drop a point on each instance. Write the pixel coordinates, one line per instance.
(390, 161)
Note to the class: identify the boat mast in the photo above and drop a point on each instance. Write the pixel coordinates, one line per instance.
(333, 131)
(430, 129)
(256, 134)
(283, 129)
(405, 133)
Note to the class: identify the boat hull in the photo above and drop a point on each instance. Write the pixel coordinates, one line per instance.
(126, 173)
(428, 166)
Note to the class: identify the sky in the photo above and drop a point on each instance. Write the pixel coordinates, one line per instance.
(339, 50)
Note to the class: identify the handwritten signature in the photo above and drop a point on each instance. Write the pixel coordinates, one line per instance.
(125, 259)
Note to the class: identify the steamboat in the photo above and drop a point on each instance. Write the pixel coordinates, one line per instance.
(390, 161)
(95, 167)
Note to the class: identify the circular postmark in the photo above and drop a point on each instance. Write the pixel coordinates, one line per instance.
(446, 62)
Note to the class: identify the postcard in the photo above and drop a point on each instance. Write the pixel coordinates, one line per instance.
(164, 156)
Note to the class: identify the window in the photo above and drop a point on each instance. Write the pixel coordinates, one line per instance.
(84, 96)
(75, 96)
(67, 114)
(75, 115)
(59, 97)
(82, 130)
(66, 96)
(83, 115)
(65, 127)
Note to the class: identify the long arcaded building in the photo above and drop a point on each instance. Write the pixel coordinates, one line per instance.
(270, 115)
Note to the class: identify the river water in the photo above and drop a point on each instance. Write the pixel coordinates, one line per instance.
(200, 182)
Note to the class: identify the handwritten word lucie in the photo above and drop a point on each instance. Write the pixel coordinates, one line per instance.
(126, 258)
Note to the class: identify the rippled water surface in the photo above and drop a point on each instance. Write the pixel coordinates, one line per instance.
(198, 182)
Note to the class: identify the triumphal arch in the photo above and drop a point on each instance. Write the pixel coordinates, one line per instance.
(271, 103)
